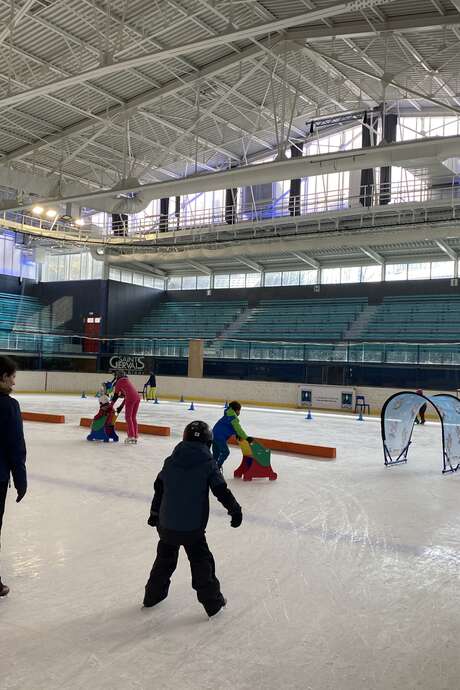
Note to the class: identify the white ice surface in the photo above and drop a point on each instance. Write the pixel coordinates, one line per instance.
(343, 576)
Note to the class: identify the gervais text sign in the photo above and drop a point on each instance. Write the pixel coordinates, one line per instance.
(128, 364)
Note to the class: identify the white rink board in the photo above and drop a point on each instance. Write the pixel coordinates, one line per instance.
(343, 575)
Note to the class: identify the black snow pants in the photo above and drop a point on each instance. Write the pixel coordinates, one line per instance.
(3, 492)
(204, 580)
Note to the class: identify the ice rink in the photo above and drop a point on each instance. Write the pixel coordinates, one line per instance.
(343, 576)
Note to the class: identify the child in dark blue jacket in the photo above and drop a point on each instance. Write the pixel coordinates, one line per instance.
(12, 444)
(180, 512)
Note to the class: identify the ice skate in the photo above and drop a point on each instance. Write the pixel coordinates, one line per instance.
(216, 608)
(3, 589)
(130, 441)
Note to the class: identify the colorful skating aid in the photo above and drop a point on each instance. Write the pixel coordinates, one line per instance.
(256, 462)
(103, 428)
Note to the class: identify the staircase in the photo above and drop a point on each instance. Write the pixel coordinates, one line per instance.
(360, 324)
(236, 326)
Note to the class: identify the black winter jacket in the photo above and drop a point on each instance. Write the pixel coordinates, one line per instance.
(12, 444)
(181, 499)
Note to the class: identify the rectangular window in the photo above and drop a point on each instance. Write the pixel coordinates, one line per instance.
(114, 273)
(148, 281)
(189, 283)
(371, 274)
(309, 277)
(396, 272)
(330, 276)
(126, 276)
(291, 278)
(238, 280)
(419, 271)
(174, 283)
(350, 274)
(253, 279)
(442, 269)
(273, 279)
(203, 282)
(159, 284)
(222, 281)
(138, 279)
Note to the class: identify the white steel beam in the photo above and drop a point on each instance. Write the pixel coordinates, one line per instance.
(187, 48)
(251, 264)
(306, 259)
(200, 267)
(375, 256)
(451, 253)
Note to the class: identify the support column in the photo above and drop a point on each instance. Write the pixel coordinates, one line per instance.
(120, 224)
(164, 214)
(231, 197)
(295, 188)
(177, 212)
(195, 359)
(389, 132)
(369, 139)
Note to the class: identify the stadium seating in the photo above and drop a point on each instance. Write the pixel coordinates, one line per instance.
(421, 318)
(185, 320)
(23, 323)
(306, 320)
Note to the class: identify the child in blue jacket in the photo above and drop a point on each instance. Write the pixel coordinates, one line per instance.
(225, 428)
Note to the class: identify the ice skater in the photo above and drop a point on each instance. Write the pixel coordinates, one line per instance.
(150, 387)
(131, 400)
(227, 426)
(422, 410)
(103, 425)
(12, 444)
(180, 512)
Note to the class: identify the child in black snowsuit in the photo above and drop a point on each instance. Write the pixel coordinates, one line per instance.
(180, 512)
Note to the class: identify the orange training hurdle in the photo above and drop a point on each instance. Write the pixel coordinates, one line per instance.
(43, 417)
(320, 452)
(143, 428)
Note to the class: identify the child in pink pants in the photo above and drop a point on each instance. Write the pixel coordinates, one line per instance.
(124, 388)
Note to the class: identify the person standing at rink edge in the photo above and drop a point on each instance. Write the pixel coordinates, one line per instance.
(12, 444)
(422, 410)
(180, 512)
(124, 388)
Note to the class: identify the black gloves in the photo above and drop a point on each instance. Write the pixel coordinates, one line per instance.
(21, 493)
(250, 439)
(237, 519)
(153, 520)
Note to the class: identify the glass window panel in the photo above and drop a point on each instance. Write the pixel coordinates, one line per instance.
(114, 273)
(371, 274)
(238, 280)
(203, 282)
(419, 271)
(272, 279)
(442, 269)
(98, 270)
(138, 278)
(396, 272)
(253, 279)
(350, 274)
(291, 277)
(159, 284)
(86, 260)
(52, 264)
(309, 277)
(16, 263)
(75, 263)
(330, 276)
(8, 256)
(2, 254)
(189, 283)
(174, 283)
(221, 281)
(126, 276)
(148, 281)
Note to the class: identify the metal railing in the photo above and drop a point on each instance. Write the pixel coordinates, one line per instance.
(416, 191)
